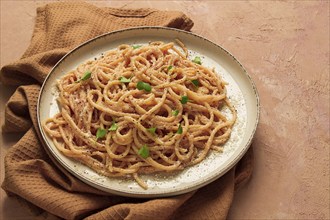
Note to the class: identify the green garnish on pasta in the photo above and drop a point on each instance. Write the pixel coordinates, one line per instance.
(179, 131)
(86, 76)
(184, 99)
(195, 82)
(124, 79)
(136, 46)
(175, 112)
(152, 130)
(197, 60)
(144, 151)
(143, 86)
(100, 133)
(113, 127)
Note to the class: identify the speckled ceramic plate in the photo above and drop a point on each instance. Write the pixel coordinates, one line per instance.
(241, 92)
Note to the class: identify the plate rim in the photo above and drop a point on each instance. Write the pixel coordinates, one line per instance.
(229, 166)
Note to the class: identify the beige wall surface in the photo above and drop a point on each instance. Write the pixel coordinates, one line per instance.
(284, 45)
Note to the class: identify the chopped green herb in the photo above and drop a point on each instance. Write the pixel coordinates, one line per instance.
(100, 133)
(195, 82)
(179, 131)
(140, 85)
(184, 99)
(197, 60)
(124, 79)
(175, 112)
(86, 76)
(144, 151)
(169, 68)
(113, 127)
(152, 130)
(143, 86)
(147, 87)
(136, 46)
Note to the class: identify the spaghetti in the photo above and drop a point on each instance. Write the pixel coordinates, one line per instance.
(141, 109)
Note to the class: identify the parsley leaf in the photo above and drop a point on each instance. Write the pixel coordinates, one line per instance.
(100, 133)
(152, 130)
(113, 127)
(175, 112)
(136, 46)
(197, 60)
(179, 131)
(86, 76)
(124, 79)
(184, 99)
(144, 151)
(195, 82)
(143, 86)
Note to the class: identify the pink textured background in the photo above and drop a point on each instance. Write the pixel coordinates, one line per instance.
(284, 46)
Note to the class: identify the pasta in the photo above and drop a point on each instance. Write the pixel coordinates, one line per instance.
(141, 109)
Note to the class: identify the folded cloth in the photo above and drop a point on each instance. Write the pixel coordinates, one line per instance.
(48, 189)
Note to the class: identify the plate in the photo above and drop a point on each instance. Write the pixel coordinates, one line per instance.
(241, 91)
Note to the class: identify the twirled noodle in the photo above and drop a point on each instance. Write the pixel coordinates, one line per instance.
(141, 110)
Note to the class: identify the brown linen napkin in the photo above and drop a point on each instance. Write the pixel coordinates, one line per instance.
(49, 190)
